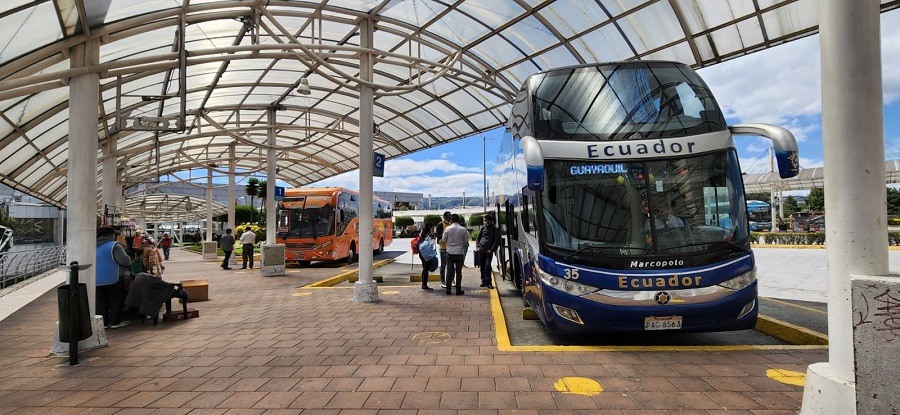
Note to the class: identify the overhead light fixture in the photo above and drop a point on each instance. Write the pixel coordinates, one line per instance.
(303, 88)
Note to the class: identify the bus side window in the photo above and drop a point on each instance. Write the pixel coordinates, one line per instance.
(528, 214)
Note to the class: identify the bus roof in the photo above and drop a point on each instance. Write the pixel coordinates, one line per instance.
(322, 191)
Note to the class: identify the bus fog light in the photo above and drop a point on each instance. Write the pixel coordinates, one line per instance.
(747, 309)
(567, 313)
(741, 281)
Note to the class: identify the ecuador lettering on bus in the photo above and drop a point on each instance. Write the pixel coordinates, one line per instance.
(621, 201)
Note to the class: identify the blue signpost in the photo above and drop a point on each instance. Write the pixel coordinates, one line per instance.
(378, 167)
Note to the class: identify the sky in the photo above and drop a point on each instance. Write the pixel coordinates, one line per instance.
(780, 85)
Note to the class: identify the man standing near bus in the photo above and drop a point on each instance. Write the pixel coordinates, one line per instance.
(487, 243)
(457, 239)
(248, 238)
(439, 233)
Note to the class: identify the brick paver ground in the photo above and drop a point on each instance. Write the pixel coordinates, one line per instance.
(269, 346)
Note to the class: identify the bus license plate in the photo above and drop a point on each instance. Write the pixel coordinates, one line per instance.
(662, 323)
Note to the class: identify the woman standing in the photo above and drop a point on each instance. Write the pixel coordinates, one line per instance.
(427, 254)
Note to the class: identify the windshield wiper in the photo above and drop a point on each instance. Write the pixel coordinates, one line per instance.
(601, 249)
(731, 245)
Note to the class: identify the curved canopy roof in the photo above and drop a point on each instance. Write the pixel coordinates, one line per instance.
(168, 207)
(205, 73)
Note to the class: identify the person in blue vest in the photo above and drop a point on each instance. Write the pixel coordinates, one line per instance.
(112, 263)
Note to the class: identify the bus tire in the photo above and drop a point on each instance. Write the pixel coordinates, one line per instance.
(351, 253)
(517, 274)
(380, 249)
(304, 263)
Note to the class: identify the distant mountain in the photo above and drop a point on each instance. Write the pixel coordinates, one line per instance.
(452, 202)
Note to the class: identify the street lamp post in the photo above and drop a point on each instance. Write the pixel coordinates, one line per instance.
(484, 172)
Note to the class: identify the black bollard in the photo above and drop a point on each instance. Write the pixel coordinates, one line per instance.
(74, 321)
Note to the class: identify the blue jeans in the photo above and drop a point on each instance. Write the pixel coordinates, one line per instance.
(166, 252)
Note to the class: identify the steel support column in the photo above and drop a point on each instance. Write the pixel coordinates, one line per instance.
(271, 177)
(209, 200)
(81, 190)
(365, 290)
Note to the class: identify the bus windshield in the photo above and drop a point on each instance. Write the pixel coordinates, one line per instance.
(305, 217)
(622, 102)
(644, 208)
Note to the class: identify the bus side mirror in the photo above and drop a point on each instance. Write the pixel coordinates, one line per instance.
(534, 163)
(785, 145)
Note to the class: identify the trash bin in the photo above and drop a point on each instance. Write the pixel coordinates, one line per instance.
(84, 311)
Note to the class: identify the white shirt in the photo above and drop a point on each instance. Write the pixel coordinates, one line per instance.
(457, 239)
(248, 237)
(670, 221)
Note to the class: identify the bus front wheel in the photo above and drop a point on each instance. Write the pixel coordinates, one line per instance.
(517, 274)
(351, 253)
(380, 249)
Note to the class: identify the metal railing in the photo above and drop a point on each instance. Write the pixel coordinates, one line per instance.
(19, 266)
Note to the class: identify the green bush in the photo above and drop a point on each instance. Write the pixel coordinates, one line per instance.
(401, 222)
(434, 220)
(804, 238)
(894, 221)
(475, 235)
(476, 220)
(260, 232)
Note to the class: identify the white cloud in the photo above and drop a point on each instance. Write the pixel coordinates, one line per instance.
(770, 86)
(437, 177)
(779, 84)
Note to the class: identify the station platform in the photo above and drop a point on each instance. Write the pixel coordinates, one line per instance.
(295, 345)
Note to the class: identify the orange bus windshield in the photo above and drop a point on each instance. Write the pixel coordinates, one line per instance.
(306, 217)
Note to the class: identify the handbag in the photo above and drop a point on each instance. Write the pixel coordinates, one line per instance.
(433, 265)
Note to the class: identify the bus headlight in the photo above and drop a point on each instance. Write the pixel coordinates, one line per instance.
(741, 281)
(567, 286)
(322, 245)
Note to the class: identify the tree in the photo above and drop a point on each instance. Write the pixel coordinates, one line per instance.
(815, 202)
(790, 205)
(893, 201)
(252, 190)
(262, 194)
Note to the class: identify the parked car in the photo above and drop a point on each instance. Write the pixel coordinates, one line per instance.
(760, 226)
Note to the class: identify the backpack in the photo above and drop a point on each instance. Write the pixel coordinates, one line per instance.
(414, 244)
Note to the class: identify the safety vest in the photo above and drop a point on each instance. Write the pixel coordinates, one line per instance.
(107, 269)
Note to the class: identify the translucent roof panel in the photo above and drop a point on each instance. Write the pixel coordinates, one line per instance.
(442, 71)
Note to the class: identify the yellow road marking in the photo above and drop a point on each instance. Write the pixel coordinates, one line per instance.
(301, 294)
(795, 305)
(578, 386)
(787, 376)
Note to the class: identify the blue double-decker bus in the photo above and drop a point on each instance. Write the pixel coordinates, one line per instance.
(621, 201)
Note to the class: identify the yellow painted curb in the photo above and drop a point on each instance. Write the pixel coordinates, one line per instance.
(337, 279)
(788, 332)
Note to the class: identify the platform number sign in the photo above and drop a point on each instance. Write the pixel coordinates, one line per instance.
(378, 167)
(279, 192)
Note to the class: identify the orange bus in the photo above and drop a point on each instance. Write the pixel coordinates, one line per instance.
(322, 224)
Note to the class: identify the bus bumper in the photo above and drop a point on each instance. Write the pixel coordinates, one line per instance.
(719, 315)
